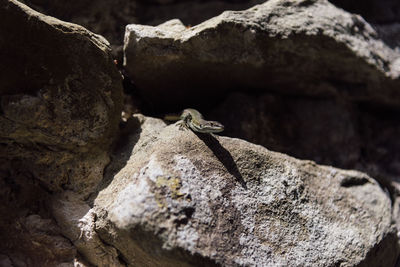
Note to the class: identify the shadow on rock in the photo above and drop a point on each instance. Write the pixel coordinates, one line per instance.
(223, 156)
(122, 148)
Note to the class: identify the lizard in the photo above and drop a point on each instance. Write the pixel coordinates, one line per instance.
(193, 119)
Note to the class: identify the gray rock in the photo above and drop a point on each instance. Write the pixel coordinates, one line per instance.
(109, 18)
(328, 131)
(173, 198)
(303, 47)
(198, 200)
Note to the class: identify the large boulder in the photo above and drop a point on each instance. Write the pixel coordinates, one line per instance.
(60, 97)
(104, 17)
(60, 105)
(186, 199)
(109, 18)
(297, 47)
(170, 197)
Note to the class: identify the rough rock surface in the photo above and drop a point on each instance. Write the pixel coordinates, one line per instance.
(77, 220)
(174, 198)
(384, 15)
(190, 200)
(104, 17)
(327, 130)
(60, 102)
(109, 18)
(298, 47)
(60, 97)
(29, 236)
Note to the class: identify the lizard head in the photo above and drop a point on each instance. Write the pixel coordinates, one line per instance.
(212, 127)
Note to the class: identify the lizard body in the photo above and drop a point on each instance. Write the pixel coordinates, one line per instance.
(194, 120)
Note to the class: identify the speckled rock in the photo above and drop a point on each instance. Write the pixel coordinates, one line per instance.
(298, 47)
(195, 199)
(329, 131)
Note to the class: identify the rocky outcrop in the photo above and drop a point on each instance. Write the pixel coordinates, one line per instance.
(107, 18)
(60, 97)
(195, 199)
(314, 82)
(60, 104)
(302, 47)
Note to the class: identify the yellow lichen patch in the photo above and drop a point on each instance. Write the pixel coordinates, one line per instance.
(161, 203)
(172, 183)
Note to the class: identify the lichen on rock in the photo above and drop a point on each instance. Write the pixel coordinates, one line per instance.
(235, 203)
(81, 187)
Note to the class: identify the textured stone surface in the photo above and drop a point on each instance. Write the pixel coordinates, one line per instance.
(384, 15)
(173, 198)
(187, 199)
(328, 131)
(29, 236)
(60, 102)
(302, 47)
(60, 98)
(107, 18)
(76, 220)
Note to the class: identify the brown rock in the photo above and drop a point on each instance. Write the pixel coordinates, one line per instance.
(60, 104)
(60, 97)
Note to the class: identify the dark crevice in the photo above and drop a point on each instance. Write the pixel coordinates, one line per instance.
(188, 212)
(353, 181)
(121, 152)
(120, 256)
